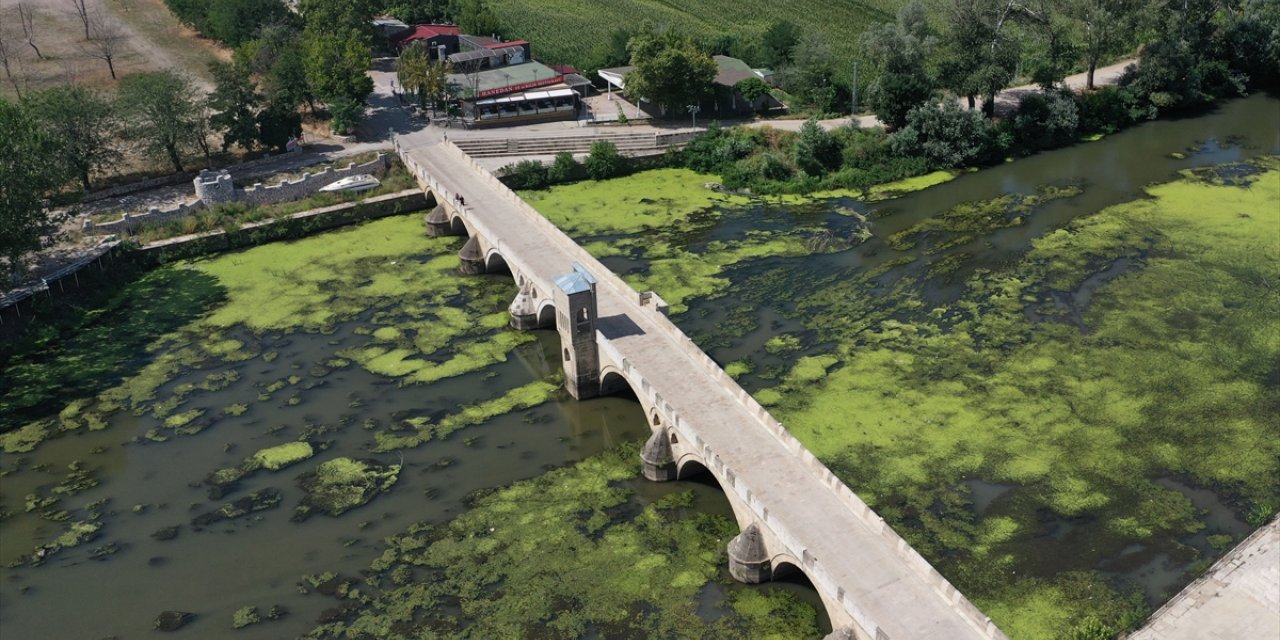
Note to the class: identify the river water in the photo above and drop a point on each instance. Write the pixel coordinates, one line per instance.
(213, 570)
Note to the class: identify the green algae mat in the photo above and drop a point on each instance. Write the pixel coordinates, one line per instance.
(1118, 360)
(202, 355)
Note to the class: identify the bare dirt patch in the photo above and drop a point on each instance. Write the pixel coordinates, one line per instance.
(152, 38)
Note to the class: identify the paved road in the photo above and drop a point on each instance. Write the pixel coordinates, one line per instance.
(862, 561)
(1237, 598)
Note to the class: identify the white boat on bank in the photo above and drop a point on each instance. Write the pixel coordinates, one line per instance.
(354, 184)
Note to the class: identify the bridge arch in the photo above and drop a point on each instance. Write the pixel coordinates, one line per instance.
(614, 382)
(547, 314)
(458, 226)
(690, 465)
(786, 568)
(494, 262)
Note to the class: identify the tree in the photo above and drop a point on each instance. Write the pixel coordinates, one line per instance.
(340, 17)
(1105, 28)
(1053, 44)
(345, 115)
(604, 161)
(812, 78)
(752, 89)
(201, 130)
(31, 169)
(9, 59)
(943, 133)
(278, 125)
(235, 22)
(234, 102)
(337, 68)
(476, 17)
(669, 71)
(162, 112)
(413, 68)
(1252, 40)
(1182, 69)
(83, 122)
(81, 8)
(816, 151)
(900, 52)
(778, 43)
(1045, 120)
(107, 40)
(26, 15)
(979, 54)
(285, 82)
(422, 11)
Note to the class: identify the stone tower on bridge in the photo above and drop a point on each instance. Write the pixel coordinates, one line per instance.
(575, 303)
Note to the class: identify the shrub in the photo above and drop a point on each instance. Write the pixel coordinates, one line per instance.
(863, 148)
(563, 169)
(715, 150)
(526, 174)
(816, 151)
(346, 114)
(944, 134)
(1105, 110)
(604, 161)
(748, 172)
(1045, 120)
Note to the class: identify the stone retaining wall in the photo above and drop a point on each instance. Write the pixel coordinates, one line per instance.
(207, 183)
(177, 178)
(291, 226)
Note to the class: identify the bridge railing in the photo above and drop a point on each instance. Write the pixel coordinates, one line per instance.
(865, 513)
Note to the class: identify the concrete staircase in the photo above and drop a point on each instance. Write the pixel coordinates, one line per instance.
(627, 143)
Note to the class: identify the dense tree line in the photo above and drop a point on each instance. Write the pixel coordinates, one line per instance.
(931, 81)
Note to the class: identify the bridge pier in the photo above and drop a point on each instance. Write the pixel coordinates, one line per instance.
(575, 302)
(748, 559)
(656, 459)
(438, 223)
(524, 310)
(472, 257)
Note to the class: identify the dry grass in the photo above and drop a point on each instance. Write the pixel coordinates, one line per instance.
(154, 40)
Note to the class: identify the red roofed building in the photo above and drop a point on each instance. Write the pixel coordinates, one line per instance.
(434, 36)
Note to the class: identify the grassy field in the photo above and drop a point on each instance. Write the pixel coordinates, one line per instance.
(563, 31)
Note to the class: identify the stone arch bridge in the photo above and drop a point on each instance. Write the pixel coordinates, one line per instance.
(794, 514)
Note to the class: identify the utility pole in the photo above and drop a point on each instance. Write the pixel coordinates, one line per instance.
(855, 90)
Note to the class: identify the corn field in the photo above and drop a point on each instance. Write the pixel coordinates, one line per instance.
(573, 32)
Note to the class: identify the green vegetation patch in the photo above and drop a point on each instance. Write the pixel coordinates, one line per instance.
(339, 485)
(1167, 371)
(660, 231)
(283, 455)
(421, 429)
(435, 326)
(962, 221)
(564, 555)
(643, 201)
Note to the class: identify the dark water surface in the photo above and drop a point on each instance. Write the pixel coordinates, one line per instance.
(257, 560)
(1110, 171)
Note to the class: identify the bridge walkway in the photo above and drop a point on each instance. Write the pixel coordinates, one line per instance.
(855, 561)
